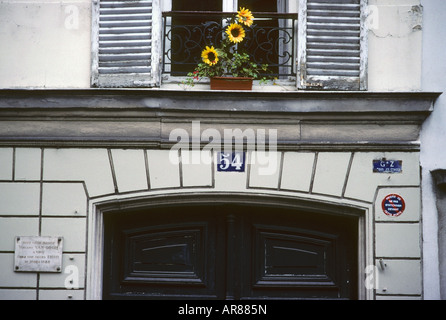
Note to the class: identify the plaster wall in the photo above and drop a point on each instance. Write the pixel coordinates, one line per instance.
(57, 196)
(47, 44)
(395, 45)
(433, 151)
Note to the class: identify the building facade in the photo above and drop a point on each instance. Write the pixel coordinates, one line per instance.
(119, 182)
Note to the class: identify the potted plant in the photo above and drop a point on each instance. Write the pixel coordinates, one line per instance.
(227, 66)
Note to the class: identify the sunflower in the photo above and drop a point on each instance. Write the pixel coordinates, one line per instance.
(209, 56)
(245, 16)
(235, 32)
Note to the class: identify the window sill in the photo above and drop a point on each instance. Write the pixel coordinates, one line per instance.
(176, 83)
(172, 97)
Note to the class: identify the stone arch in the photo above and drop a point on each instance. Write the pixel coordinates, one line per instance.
(178, 197)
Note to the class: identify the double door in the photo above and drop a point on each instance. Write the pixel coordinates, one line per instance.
(229, 252)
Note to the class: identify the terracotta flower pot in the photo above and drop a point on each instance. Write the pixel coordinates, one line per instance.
(231, 83)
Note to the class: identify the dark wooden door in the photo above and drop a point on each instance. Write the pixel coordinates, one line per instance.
(229, 252)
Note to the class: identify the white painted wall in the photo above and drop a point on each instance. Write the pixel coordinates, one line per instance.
(395, 45)
(45, 44)
(57, 196)
(433, 151)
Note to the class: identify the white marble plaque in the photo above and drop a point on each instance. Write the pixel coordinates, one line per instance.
(38, 254)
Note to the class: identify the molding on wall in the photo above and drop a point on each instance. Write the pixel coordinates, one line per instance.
(144, 118)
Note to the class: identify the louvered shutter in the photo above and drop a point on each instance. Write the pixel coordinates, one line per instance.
(126, 43)
(332, 44)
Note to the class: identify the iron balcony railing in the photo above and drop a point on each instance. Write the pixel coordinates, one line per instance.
(271, 40)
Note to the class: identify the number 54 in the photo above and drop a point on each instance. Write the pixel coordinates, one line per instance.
(231, 161)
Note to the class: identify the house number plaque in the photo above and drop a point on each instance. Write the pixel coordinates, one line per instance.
(231, 161)
(38, 254)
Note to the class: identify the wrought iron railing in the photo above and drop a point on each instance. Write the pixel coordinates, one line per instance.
(271, 40)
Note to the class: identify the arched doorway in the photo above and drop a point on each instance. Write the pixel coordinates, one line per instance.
(229, 251)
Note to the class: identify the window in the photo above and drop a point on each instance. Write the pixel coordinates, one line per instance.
(184, 35)
(135, 41)
(190, 27)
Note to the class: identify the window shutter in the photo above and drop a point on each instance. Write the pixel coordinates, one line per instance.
(332, 48)
(126, 43)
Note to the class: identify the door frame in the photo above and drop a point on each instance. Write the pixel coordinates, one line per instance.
(112, 205)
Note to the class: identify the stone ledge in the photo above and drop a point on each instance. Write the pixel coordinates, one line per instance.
(207, 100)
(145, 117)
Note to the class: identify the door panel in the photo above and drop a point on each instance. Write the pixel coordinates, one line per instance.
(229, 252)
(162, 254)
(292, 259)
(299, 255)
(172, 255)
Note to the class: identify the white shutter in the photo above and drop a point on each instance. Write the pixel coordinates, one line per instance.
(332, 45)
(126, 43)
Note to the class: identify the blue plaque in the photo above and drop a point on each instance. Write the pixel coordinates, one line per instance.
(387, 166)
(231, 161)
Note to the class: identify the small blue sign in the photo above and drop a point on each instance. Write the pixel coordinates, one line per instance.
(387, 166)
(231, 161)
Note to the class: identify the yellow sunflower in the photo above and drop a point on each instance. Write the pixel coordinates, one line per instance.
(235, 32)
(245, 16)
(209, 56)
